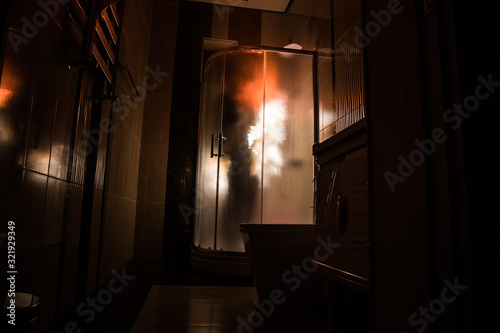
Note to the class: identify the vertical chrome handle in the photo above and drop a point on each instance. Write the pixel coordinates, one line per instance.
(221, 140)
(212, 155)
(221, 144)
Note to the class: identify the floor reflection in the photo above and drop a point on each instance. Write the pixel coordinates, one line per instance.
(220, 309)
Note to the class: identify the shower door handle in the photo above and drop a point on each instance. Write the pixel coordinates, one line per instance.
(221, 144)
(221, 140)
(212, 155)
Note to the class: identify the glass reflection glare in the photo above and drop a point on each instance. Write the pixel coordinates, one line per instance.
(274, 137)
(5, 97)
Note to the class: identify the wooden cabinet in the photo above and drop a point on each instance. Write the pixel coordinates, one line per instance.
(342, 213)
(342, 205)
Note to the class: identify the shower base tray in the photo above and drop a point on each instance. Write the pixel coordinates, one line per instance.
(220, 262)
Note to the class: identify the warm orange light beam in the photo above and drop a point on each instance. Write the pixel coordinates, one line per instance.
(5, 97)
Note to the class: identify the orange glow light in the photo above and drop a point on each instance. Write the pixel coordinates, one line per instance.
(5, 97)
(250, 91)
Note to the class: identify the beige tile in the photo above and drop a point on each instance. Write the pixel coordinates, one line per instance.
(153, 216)
(137, 28)
(62, 132)
(181, 306)
(239, 299)
(127, 58)
(143, 173)
(152, 238)
(153, 48)
(139, 229)
(149, 106)
(123, 163)
(41, 126)
(160, 121)
(218, 309)
(128, 111)
(118, 234)
(157, 122)
(157, 174)
(136, 118)
(167, 29)
(166, 57)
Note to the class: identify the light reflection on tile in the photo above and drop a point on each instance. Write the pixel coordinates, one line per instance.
(215, 309)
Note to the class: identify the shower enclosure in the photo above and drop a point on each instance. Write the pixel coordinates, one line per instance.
(256, 132)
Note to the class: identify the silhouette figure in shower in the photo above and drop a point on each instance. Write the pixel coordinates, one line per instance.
(239, 197)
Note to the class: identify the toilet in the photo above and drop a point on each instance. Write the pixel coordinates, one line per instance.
(279, 258)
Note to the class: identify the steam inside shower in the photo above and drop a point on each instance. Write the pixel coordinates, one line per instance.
(255, 162)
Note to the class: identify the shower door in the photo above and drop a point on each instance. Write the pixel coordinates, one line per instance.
(255, 162)
(228, 190)
(288, 168)
(207, 173)
(239, 199)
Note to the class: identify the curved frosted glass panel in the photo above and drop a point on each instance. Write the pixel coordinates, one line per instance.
(206, 190)
(255, 162)
(288, 138)
(239, 181)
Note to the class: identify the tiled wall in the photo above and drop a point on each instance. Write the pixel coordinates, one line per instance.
(306, 23)
(151, 189)
(194, 23)
(122, 174)
(36, 113)
(41, 191)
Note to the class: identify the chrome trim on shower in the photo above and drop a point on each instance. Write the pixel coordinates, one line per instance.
(221, 144)
(256, 49)
(212, 154)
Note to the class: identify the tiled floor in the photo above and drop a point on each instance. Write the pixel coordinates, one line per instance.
(219, 309)
(168, 296)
